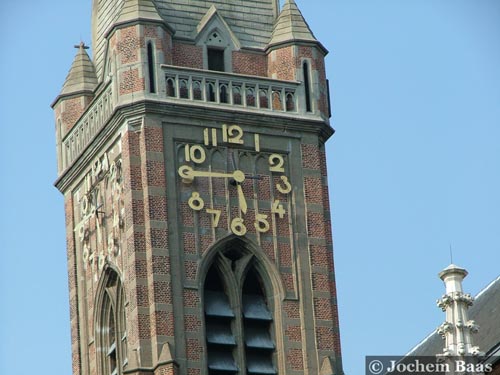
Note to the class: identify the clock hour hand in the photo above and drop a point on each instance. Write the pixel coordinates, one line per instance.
(241, 199)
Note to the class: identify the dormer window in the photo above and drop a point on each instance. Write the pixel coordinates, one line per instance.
(217, 40)
(218, 47)
(215, 57)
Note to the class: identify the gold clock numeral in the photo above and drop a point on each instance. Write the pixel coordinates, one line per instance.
(196, 202)
(210, 140)
(261, 224)
(85, 205)
(276, 163)
(232, 134)
(216, 218)
(256, 142)
(238, 226)
(195, 153)
(277, 208)
(101, 261)
(284, 187)
(85, 254)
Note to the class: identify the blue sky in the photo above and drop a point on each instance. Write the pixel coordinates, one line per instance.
(413, 167)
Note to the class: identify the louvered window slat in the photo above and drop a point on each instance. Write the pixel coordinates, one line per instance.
(217, 304)
(221, 361)
(220, 334)
(254, 307)
(258, 337)
(259, 363)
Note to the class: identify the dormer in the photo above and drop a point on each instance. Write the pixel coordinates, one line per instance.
(217, 40)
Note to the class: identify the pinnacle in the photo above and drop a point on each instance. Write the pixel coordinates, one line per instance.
(81, 76)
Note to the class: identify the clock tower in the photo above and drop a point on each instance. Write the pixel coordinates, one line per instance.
(191, 158)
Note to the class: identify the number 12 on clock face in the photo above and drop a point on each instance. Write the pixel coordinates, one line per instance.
(229, 134)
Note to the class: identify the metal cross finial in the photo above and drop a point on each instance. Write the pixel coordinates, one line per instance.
(82, 45)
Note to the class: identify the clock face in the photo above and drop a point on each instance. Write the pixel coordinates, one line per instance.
(222, 174)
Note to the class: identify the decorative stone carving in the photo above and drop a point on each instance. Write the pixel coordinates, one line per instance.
(461, 349)
(475, 351)
(444, 302)
(463, 297)
(473, 327)
(100, 207)
(444, 328)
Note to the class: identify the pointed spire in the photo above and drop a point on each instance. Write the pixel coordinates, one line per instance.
(291, 26)
(139, 10)
(81, 76)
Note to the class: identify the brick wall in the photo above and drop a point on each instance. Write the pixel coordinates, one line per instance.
(187, 55)
(281, 63)
(69, 110)
(321, 255)
(249, 63)
(146, 259)
(286, 63)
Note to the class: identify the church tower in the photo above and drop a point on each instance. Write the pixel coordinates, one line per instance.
(191, 158)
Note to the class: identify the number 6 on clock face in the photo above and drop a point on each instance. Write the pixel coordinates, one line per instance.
(238, 226)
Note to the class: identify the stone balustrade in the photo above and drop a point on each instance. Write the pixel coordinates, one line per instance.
(93, 120)
(208, 88)
(231, 90)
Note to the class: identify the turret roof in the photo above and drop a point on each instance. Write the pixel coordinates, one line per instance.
(81, 76)
(291, 26)
(138, 9)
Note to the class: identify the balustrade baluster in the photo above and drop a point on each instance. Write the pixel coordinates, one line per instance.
(283, 99)
(217, 91)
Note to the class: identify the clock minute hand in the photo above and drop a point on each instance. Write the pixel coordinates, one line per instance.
(210, 174)
(188, 173)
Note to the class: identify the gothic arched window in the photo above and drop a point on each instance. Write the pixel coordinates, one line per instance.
(111, 331)
(307, 85)
(238, 319)
(151, 68)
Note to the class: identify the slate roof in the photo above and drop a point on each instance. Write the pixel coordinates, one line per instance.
(138, 9)
(291, 26)
(486, 313)
(251, 21)
(81, 76)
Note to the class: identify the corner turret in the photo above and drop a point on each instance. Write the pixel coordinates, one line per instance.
(76, 94)
(293, 44)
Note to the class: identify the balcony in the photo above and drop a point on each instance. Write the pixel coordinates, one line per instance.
(234, 91)
(91, 122)
(194, 87)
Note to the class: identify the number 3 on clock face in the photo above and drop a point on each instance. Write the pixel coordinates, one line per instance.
(233, 137)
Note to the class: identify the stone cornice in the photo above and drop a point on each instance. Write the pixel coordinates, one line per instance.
(149, 107)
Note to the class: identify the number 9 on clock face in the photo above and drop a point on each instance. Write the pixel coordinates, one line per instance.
(235, 141)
